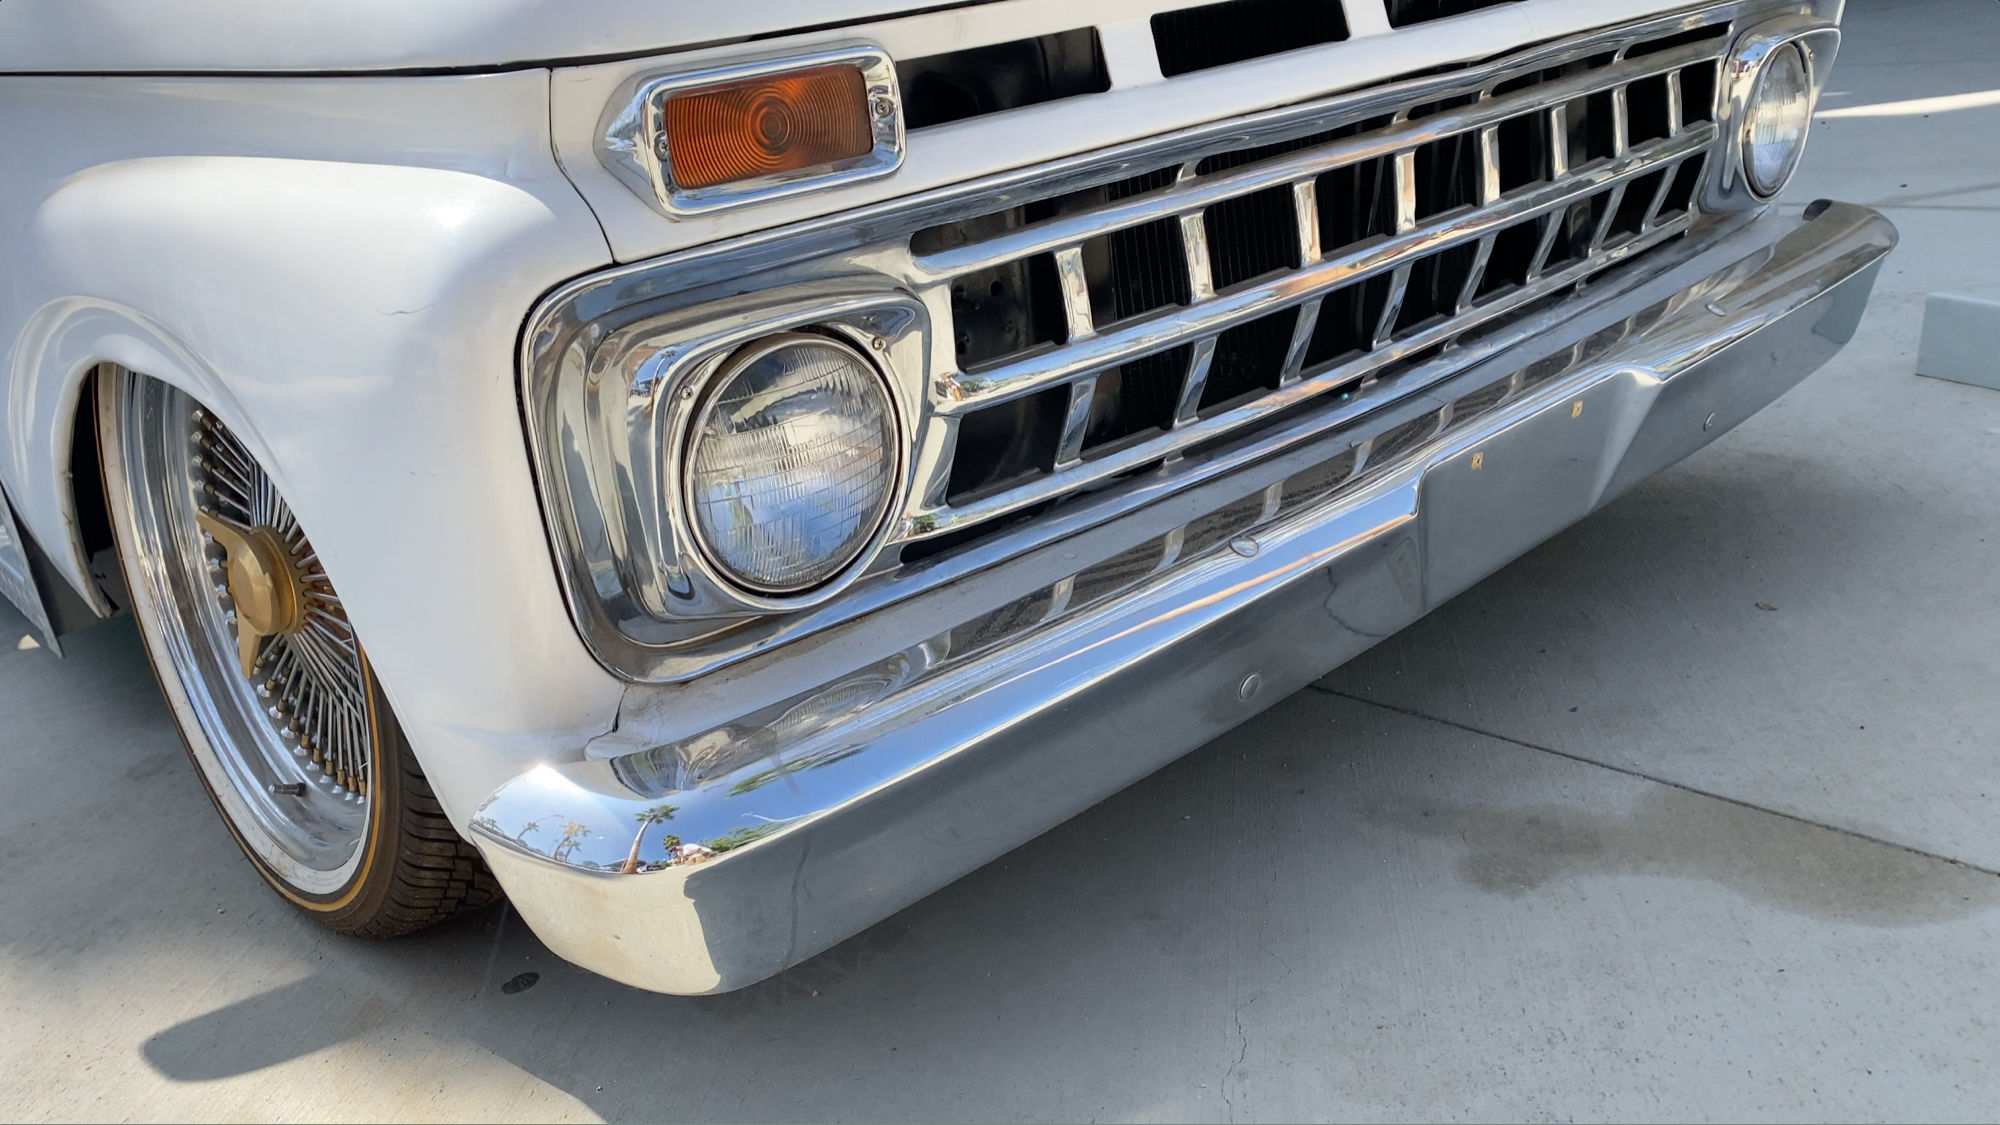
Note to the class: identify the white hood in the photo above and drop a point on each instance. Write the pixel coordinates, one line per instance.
(101, 36)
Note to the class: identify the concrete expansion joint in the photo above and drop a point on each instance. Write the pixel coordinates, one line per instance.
(1665, 781)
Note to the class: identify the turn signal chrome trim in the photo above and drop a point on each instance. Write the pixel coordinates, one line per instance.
(706, 140)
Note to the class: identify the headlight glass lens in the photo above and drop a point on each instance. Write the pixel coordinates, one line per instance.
(1774, 134)
(792, 461)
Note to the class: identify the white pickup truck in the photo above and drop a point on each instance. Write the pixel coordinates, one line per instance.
(719, 472)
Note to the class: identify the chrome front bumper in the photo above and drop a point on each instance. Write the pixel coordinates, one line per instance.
(842, 824)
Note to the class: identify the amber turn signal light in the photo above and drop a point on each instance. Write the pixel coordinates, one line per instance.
(767, 126)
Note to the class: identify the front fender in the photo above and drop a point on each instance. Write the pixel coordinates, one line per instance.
(356, 324)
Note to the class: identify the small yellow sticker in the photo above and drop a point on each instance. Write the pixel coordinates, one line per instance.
(1576, 409)
(1478, 459)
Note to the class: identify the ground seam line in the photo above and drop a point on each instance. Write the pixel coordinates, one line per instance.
(1668, 782)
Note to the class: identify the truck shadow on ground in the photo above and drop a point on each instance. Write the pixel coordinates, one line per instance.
(1147, 922)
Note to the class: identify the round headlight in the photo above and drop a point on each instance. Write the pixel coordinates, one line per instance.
(791, 462)
(1774, 126)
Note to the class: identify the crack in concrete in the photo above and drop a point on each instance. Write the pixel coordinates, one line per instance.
(1242, 1052)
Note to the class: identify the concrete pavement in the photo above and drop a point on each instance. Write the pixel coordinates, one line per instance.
(1601, 839)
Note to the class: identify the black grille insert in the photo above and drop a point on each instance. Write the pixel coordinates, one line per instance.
(1135, 398)
(1135, 271)
(980, 80)
(1251, 235)
(1003, 443)
(1219, 34)
(1403, 13)
(1248, 358)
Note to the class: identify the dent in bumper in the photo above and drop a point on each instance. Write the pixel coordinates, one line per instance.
(857, 818)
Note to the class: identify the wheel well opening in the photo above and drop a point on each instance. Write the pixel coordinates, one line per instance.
(87, 499)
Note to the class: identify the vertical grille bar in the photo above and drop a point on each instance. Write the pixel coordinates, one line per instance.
(1076, 421)
(1302, 334)
(1621, 121)
(1196, 381)
(1194, 236)
(1075, 292)
(1552, 226)
(1406, 221)
(1406, 192)
(1305, 206)
(1558, 141)
(1305, 203)
(1489, 192)
(1621, 142)
(1489, 165)
(1659, 200)
(1676, 114)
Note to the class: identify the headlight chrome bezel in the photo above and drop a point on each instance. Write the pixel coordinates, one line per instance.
(616, 447)
(1786, 54)
(1817, 42)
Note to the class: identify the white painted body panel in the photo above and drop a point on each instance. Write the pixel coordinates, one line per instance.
(1139, 104)
(104, 36)
(341, 267)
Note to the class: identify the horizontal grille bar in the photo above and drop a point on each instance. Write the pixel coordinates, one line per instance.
(964, 392)
(1207, 191)
(1199, 300)
(957, 517)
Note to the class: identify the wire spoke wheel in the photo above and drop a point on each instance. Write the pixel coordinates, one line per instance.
(269, 683)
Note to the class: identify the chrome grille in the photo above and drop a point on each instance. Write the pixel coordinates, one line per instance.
(1073, 340)
(1185, 304)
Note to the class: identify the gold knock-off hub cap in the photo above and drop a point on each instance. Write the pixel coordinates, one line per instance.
(262, 581)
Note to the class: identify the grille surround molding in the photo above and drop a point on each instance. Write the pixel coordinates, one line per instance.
(871, 246)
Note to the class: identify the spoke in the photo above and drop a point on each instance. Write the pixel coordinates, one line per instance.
(308, 674)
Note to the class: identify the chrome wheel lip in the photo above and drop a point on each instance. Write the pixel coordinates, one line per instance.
(307, 829)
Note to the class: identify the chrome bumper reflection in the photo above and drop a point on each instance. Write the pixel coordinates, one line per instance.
(687, 871)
